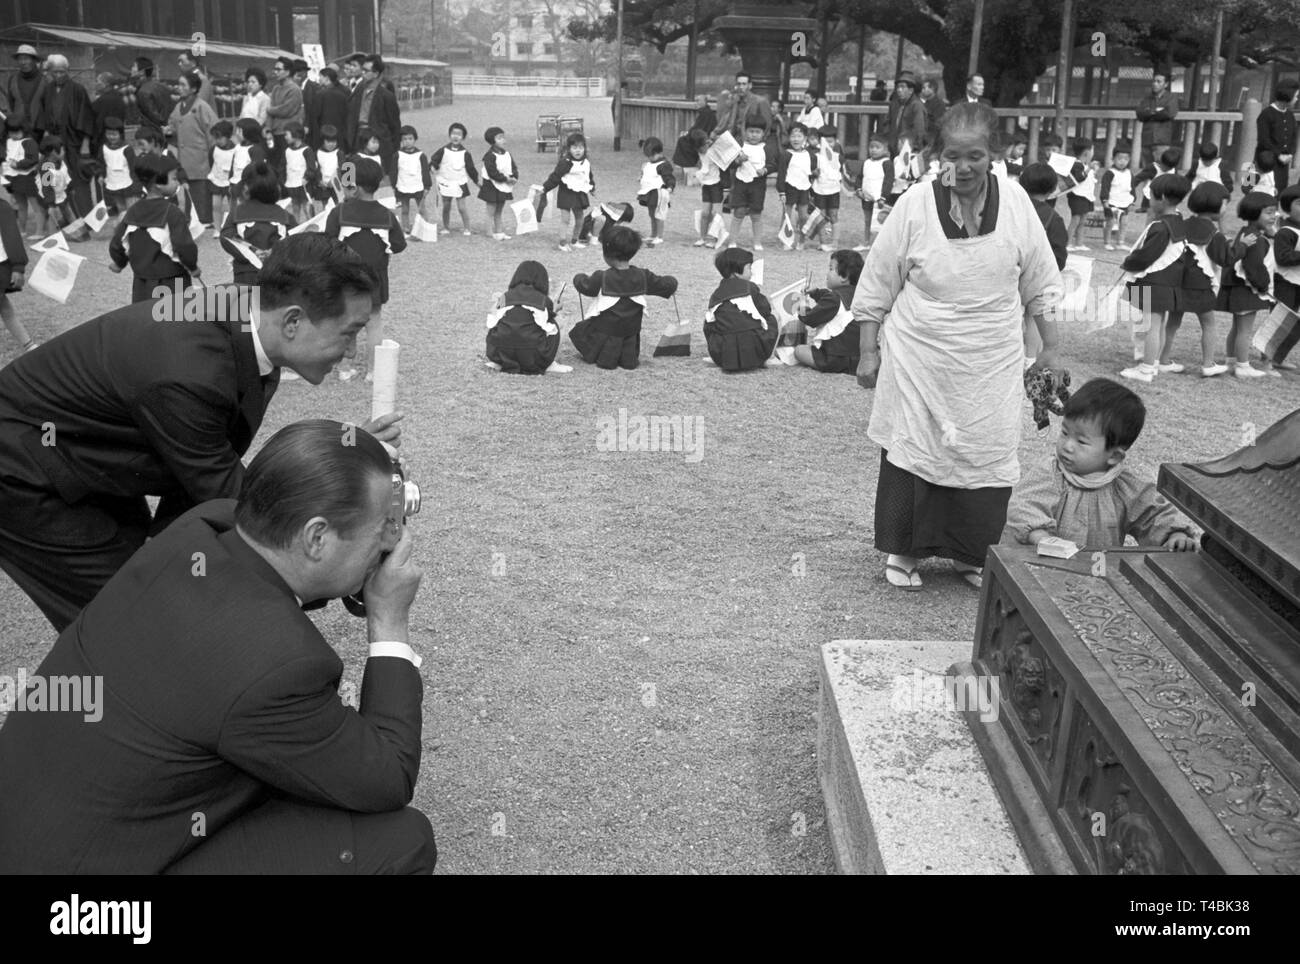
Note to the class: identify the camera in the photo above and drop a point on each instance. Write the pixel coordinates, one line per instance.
(405, 503)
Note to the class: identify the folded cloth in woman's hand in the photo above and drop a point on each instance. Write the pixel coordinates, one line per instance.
(1048, 391)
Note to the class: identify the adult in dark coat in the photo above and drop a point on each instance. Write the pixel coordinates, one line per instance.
(906, 115)
(706, 118)
(878, 93)
(1157, 111)
(62, 107)
(330, 106)
(108, 103)
(739, 108)
(935, 106)
(374, 105)
(975, 92)
(122, 407)
(220, 743)
(1275, 132)
(152, 98)
(19, 88)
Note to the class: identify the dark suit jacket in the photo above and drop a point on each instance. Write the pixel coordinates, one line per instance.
(138, 407)
(218, 692)
(1275, 131)
(330, 106)
(385, 118)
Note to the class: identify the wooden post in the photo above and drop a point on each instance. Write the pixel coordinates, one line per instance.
(1135, 159)
(1063, 69)
(1213, 100)
(1031, 152)
(862, 54)
(1246, 142)
(1112, 135)
(618, 91)
(977, 27)
(898, 67)
(692, 52)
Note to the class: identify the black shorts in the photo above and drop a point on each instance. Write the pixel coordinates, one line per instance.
(797, 196)
(214, 190)
(828, 204)
(749, 196)
(1079, 205)
(298, 194)
(712, 193)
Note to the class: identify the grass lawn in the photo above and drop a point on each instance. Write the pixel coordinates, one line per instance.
(621, 648)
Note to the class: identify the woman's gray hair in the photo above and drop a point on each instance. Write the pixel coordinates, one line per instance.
(969, 118)
(54, 61)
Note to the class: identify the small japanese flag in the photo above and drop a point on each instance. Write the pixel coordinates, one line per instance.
(756, 272)
(285, 202)
(525, 217)
(196, 226)
(316, 223)
(98, 217)
(422, 230)
(55, 274)
(786, 234)
(55, 240)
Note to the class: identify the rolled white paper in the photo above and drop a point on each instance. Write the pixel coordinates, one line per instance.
(383, 400)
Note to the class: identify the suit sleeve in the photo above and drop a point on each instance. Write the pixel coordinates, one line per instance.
(291, 731)
(187, 426)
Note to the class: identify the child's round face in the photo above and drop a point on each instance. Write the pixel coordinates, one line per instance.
(113, 137)
(1081, 447)
(499, 141)
(408, 142)
(456, 136)
(1268, 220)
(833, 279)
(796, 139)
(331, 145)
(142, 147)
(754, 135)
(1121, 161)
(1017, 151)
(372, 145)
(876, 150)
(1293, 212)
(577, 151)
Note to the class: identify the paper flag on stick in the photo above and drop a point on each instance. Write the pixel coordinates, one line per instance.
(98, 217)
(422, 230)
(1075, 277)
(756, 272)
(316, 223)
(785, 301)
(246, 249)
(675, 342)
(665, 202)
(196, 226)
(525, 216)
(814, 223)
(55, 274)
(55, 240)
(786, 234)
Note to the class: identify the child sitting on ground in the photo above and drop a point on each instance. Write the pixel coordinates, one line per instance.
(834, 338)
(609, 336)
(522, 336)
(1084, 492)
(739, 327)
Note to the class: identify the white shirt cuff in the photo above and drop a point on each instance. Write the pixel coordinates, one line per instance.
(400, 650)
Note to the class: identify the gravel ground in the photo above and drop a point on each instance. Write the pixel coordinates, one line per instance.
(621, 648)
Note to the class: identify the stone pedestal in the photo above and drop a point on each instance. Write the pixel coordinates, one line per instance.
(1150, 701)
(764, 34)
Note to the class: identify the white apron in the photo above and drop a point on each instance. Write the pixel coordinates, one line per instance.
(950, 392)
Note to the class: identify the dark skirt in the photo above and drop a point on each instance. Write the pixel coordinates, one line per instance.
(649, 201)
(520, 352)
(567, 200)
(1240, 299)
(840, 355)
(740, 351)
(489, 192)
(1154, 299)
(1079, 205)
(1196, 301)
(712, 193)
(920, 519)
(605, 350)
(828, 204)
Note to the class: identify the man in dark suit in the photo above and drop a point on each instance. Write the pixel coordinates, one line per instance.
(975, 92)
(935, 106)
(1275, 131)
(218, 742)
(125, 406)
(374, 105)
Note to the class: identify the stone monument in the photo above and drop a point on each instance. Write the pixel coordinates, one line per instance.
(1149, 715)
(764, 34)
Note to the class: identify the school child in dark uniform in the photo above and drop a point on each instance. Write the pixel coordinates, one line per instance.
(455, 171)
(154, 237)
(1155, 269)
(739, 327)
(1283, 325)
(373, 232)
(1205, 255)
(610, 334)
(796, 168)
(414, 177)
(834, 338)
(255, 220)
(522, 336)
(1246, 287)
(657, 180)
(499, 179)
(576, 183)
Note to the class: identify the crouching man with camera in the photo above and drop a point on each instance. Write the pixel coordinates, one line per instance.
(222, 744)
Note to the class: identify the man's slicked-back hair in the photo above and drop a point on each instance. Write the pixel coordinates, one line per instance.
(315, 271)
(316, 467)
(979, 118)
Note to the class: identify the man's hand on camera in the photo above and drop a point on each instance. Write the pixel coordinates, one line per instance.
(386, 429)
(389, 592)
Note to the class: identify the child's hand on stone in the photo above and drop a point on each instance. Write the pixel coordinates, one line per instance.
(1180, 542)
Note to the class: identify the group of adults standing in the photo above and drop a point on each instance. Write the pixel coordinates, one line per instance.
(353, 96)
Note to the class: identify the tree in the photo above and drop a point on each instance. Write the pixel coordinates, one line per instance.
(655, 22)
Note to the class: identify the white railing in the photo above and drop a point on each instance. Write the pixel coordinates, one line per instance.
(508, 85)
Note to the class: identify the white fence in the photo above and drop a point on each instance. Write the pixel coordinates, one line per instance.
(508, 85)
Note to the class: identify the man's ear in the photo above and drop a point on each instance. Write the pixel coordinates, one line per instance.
(313, 537)
(290, 321)
(1115, 456)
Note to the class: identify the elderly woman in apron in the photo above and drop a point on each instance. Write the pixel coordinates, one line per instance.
(944, 291)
